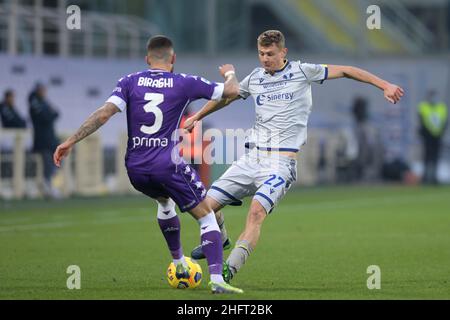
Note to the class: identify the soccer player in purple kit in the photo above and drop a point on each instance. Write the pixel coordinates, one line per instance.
(154, 101)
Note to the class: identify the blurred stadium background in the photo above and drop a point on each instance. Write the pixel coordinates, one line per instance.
(81, 67)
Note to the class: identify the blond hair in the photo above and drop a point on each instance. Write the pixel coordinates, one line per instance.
(267, 38)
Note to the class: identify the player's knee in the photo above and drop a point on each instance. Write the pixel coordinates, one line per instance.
(165, 203)
(257, 215)
(162, 201)
(213, 204)
(201, 210)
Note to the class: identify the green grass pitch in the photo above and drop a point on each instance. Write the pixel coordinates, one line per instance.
(317, 244)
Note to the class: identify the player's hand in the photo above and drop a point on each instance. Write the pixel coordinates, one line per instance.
(225, 68)
(61, 151)
(393, 93)
(189, 124)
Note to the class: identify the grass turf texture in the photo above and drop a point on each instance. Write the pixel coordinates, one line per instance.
(317, 244)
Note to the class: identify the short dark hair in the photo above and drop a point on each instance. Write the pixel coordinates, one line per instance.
(159, 47)
(268, 37)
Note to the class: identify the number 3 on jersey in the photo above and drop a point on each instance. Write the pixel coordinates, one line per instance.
(154, 99)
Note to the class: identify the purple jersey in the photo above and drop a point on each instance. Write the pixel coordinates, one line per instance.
(154, 102)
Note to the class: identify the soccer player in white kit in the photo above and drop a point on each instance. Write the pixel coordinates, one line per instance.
(281, 90)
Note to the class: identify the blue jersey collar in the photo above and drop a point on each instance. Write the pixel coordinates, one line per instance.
(286, 63)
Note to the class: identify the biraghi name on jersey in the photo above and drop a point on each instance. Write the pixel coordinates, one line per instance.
(155, 83)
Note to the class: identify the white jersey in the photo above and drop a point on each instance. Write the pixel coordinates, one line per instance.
(283, 103)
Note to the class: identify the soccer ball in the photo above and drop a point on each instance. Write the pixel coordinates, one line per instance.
(194, 280)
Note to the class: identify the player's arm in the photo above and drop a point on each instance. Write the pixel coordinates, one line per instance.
(95, 121)
(230, 93)
(392, 92)
(231, 85)
(210, 107)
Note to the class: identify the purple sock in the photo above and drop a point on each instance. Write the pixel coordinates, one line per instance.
(170, 228)
(212, 248)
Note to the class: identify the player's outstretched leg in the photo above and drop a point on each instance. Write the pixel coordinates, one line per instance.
(197, 252)
(212, 248)
(169, 224)
(247, 241)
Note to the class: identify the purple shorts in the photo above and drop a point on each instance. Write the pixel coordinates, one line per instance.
(181, 183)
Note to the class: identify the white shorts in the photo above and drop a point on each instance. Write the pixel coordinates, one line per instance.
(266, 177)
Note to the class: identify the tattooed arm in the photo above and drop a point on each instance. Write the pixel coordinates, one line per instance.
(95, 121)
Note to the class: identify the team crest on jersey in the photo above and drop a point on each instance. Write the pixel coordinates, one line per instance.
(288, 76)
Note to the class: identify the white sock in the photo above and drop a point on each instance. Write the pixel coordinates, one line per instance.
(208, 223)
(181, 260)
(166, 210)
(217, 278)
